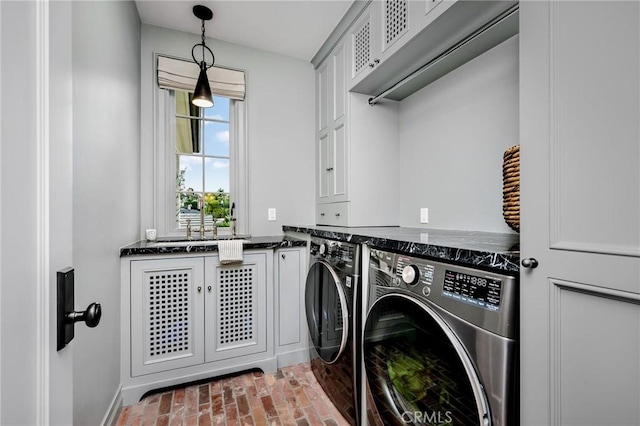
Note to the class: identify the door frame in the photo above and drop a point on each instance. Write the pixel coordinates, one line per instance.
(41, 58)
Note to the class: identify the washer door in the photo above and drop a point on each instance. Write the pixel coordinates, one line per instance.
(417, 370)
(327, 312)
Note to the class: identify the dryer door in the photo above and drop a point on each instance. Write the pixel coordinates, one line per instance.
(417, 370)
(327, 312)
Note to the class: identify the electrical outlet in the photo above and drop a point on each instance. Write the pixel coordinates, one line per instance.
(272, 214)
(424, 215)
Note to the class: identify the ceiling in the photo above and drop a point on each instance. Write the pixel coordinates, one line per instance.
(294, 28)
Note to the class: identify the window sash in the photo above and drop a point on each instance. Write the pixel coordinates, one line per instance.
(166, 193)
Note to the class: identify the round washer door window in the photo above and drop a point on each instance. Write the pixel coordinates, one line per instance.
(417, 370)
(327, 312)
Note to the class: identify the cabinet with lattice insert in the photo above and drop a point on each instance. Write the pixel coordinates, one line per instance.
(167, 312)
(187, 318)
(382, 29)
(236, 308)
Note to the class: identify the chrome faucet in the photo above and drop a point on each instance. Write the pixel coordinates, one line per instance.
(232, 219)
(202, 229)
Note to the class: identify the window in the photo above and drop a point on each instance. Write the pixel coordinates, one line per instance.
(203, 166)
(200, 155)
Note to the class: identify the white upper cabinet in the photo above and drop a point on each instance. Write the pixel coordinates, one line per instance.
(331, 124)
(363, 40)
(394, 38)
(353, 143)
(378, 34)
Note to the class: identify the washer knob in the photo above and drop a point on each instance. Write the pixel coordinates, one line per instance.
(323, 249)
(411, 274)
(332, 248)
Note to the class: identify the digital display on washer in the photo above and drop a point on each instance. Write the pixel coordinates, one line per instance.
(482, 292)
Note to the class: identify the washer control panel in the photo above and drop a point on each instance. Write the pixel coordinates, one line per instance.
(484, 298)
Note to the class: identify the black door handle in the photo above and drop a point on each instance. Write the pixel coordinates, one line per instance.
(530, 263)
(66, 316)
(91, 316)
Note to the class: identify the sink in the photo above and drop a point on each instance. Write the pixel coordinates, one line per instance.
(192, 243)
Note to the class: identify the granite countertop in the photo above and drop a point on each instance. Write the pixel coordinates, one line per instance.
(486, 250)
(148, 247)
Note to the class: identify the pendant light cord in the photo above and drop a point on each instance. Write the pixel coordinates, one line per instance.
(203, 45)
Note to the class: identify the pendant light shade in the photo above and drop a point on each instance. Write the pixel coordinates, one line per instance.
(202, 94)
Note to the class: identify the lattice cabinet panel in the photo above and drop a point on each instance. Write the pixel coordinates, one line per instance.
(396, 20)
(167, 314)
(236, 308)
(362, 47)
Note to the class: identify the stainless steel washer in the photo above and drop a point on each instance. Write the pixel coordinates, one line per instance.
(332, 299)
(440, 343)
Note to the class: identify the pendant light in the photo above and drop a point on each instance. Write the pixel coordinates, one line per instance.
(202, 94)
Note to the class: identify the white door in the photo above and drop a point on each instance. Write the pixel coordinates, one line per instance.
(36, 217)
(580, 192)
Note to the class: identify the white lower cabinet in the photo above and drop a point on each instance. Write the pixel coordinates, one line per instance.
(167, 308)
(236, 308)
(291, 326)
(188, 318)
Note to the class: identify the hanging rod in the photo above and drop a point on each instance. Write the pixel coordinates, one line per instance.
(477, 33)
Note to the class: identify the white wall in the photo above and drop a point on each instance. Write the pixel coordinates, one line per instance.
(452, 137)
(280, 113)
(106, 148)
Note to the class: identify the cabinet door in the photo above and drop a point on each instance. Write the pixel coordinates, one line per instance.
(331, 151)
(322, 97)
(235, 307)
(580, 198)
(166, 314)
(290, 298)
(396, 27)
(324, 162)
(364, 40)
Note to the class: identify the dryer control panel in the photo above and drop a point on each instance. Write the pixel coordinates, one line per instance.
(342, 256)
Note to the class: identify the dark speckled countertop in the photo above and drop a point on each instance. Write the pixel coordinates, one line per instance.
(151, 247)
(485, 250)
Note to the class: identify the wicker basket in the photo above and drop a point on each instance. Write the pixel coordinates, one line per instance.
(511, 187)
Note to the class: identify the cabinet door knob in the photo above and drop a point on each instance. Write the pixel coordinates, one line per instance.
(321, 214)
(209, 288)
(329, 169)
(530, 263)
(371, 65)
(283, 256)
(376, 61)
(199, 289)
(337, 214)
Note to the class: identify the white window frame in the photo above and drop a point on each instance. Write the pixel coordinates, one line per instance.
(165, 167)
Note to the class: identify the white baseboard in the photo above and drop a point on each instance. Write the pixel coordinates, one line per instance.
(293, 357)
(112, 414)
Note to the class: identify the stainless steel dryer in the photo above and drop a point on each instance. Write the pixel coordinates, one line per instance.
(439, 344)
(332, 299)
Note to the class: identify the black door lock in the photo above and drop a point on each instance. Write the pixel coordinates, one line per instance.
(66, 316)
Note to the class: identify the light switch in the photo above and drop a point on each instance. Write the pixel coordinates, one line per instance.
(424, 215)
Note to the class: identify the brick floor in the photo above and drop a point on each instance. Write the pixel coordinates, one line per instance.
(289, 397)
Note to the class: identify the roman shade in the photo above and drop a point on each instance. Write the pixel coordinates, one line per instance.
(177, 74)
